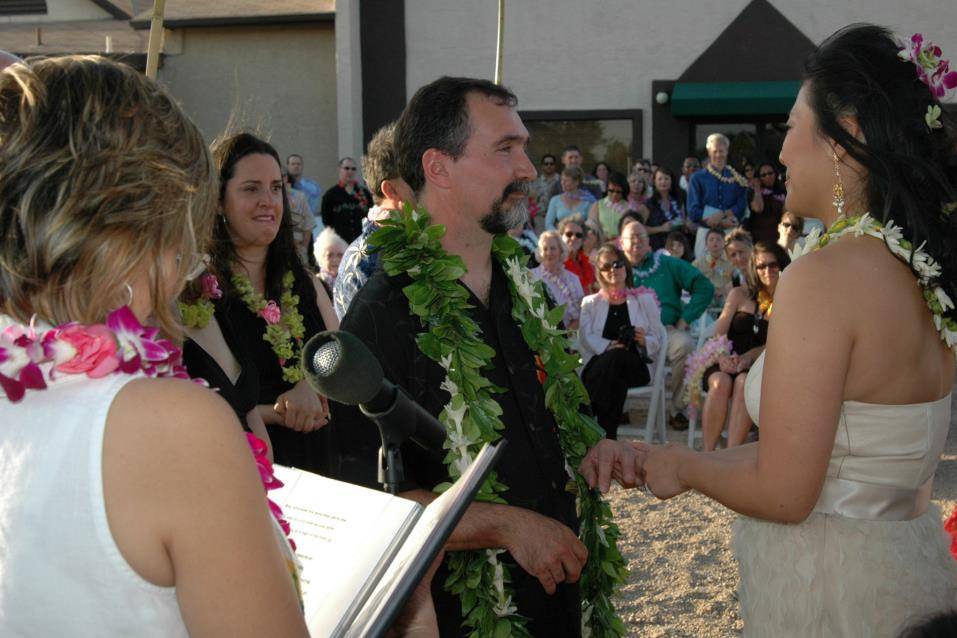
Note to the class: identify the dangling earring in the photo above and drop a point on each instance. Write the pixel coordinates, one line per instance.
(129, 291)
(838, 187)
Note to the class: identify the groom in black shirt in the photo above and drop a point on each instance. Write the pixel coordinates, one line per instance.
(460, 145)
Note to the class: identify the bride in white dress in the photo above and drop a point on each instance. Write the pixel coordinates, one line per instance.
(838, 535)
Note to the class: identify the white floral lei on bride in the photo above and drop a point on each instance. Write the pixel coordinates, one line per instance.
(927, 269)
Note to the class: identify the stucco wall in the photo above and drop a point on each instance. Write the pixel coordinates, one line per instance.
(63, 11)
(604, 55)
(278, 80)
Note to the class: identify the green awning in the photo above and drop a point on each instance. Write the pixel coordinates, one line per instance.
(733, 98)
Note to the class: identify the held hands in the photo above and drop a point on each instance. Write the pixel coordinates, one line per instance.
(611, 460)
(660, 468)
(302, 409)
(728, 363)
(640, 336)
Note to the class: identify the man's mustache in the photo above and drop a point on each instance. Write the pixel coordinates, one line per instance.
(518, 186)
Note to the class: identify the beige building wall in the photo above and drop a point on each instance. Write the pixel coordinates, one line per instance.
(63, 11)
(604, 55)
(280, 81)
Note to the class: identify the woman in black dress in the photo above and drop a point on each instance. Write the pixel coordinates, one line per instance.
(744, 320)
(270, 305)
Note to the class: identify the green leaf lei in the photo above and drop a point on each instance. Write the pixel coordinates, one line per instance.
(197, 314)
(409, 244)
(286, 336)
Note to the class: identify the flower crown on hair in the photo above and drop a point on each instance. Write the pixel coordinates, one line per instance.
(932, 71)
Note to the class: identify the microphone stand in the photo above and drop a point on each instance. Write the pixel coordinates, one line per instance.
(391, 470)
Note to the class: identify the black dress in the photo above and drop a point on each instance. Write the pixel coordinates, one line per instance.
(608, 375)
(748, 330)
(312, 451)
(242, 395)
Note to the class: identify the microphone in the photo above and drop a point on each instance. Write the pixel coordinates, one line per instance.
(339, 366)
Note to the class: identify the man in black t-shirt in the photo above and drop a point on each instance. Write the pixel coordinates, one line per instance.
(345, 205)
(460, 146)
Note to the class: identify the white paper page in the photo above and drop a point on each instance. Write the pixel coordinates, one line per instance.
(341, 532)
(425, 528)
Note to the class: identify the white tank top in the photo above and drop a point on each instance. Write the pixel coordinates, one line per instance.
(61, 573)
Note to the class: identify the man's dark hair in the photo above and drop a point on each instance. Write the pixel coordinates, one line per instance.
(571, 147)
(378, 164)
(437, 117)
(547, 155)
(343, 159)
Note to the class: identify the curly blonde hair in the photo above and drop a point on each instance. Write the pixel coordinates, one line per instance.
(102, 179)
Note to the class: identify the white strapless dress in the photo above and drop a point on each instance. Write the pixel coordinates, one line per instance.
(873, 556)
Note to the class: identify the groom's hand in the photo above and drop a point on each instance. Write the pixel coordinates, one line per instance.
(610, 460)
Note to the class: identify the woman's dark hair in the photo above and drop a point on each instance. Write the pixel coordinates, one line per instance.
(617, 179)
(781, 255)
(939, 626)
(605, 164)
(673, 192)
(911, 168)
(796, 219)
(281, 255)
(681, 238)
(610, 247)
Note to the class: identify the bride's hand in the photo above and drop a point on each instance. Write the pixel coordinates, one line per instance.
(661, 469)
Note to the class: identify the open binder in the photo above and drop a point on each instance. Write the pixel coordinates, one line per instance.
(362, 551)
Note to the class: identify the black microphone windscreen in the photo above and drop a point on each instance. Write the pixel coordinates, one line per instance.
(338, 365)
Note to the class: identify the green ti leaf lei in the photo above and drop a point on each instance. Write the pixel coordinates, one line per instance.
(285, 337)
(409, 244)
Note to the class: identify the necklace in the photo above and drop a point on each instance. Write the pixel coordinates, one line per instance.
(199, 313)
(643, 274)
(284, 327)
(30, 357)
(927, 270)
(734, 178)
(408, 244)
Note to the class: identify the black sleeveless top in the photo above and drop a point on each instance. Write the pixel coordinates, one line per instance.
(748, 330)
(311, 451)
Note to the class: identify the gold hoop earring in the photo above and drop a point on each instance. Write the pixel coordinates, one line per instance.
(838, 187)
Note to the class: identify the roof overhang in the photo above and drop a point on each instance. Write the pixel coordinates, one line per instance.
(698, 99)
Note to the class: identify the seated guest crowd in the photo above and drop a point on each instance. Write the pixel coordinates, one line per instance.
(615, 251)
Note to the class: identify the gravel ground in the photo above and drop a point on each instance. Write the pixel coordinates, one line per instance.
(683, 578)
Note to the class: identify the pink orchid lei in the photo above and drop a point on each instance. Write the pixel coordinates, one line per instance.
(30, 357)
(932, 71)
(697, 363)
(950, 526)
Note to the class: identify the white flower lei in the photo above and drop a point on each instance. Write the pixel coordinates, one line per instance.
(654, 267)
(928, 270)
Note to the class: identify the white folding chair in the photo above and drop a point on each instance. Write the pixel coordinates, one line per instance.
(655, 391)
(705, 330)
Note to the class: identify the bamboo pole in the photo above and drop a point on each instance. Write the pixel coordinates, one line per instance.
(156, 39)
(500, 46)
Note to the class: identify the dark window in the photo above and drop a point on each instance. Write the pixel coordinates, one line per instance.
(22, 7)
(751, 141)
(603, 136)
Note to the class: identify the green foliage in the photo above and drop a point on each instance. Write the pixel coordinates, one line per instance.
(407, 243)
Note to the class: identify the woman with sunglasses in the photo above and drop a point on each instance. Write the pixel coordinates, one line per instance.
(608, 210)
(744, 320)
(572, 231)
(619, 333)
(790, 230)
(766, 208)
(563, 286)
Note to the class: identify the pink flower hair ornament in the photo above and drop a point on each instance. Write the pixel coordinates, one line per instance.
(932, 71)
